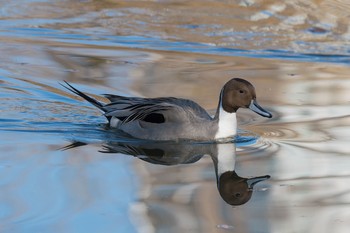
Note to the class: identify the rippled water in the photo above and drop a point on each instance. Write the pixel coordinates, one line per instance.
(296, 54)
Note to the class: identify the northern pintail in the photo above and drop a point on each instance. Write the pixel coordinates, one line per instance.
(170, 118)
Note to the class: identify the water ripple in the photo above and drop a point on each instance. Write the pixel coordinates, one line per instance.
(154, 44)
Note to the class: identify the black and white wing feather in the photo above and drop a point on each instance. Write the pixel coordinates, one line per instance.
(134, 108)
(154, 110)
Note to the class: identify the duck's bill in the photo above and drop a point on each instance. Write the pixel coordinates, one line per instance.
(255, 107)
(253, 181)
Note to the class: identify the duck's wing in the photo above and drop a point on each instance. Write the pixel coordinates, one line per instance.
(154, 110)
(124, 108)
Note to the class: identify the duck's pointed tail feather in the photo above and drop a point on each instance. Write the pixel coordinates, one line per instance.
(91, 100)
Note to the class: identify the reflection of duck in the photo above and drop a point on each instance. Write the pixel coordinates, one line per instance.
(170, 118)
(234, 190)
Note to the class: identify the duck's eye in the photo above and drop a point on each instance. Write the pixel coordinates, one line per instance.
(241, 91)
(237, 195)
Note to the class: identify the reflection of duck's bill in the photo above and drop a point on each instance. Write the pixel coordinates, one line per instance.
(255, 107)
(253, 181)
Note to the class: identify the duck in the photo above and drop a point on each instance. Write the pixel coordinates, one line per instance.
(171, 118)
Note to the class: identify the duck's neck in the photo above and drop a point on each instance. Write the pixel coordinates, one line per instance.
(227, 122)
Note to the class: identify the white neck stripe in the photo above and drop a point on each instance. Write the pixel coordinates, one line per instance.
(227, 122)
(227, 125)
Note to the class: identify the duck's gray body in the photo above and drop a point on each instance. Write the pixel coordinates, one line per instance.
(169, 118)
(160, 118)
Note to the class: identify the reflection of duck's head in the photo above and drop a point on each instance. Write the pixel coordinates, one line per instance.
(236, 190)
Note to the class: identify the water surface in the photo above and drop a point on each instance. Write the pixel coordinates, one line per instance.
(296, 54)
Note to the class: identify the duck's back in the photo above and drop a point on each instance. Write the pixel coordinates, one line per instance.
(165, 118)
